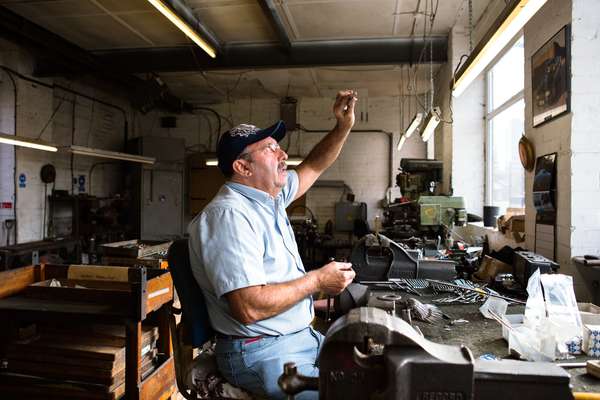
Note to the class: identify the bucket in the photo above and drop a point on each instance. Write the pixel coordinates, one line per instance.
(490, 215)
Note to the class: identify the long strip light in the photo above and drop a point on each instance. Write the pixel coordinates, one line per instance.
(291, 161)
(27, 142)
(115, 155)
(183, 26)
(431, 122)
(401, 142)
(414, 125)
(512, 24)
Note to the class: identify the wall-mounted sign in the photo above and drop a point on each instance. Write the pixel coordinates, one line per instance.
(22, 180)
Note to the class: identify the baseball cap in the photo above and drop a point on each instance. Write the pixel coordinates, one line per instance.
(234, 141)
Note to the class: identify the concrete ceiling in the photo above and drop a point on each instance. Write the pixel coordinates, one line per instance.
(133, 24)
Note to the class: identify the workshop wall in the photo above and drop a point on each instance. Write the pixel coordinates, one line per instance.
(363, 164)
(585, 146)
(553, 136)
(89, 123)
(460, 139)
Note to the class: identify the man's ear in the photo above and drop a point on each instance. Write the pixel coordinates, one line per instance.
(242, 167)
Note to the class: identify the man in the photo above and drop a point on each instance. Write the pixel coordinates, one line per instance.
(245, 258)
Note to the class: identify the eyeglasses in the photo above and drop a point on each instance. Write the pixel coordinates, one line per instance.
(273, 147)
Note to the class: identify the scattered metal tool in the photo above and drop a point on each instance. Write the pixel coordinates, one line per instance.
(477, 290)
(424, 312)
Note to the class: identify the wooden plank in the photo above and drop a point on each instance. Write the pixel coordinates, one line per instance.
(161, 384)
(74, 349)
(15, 280)
(37, 356)
(159, 291)
(16, 386)
(68, 373)
(97, 334)
(112, 377)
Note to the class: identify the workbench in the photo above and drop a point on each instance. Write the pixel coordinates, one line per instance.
(484, 336)
(151, 291)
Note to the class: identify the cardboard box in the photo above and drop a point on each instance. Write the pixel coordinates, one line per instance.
(490, 267)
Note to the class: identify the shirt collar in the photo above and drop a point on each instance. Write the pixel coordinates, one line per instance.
(250, 192)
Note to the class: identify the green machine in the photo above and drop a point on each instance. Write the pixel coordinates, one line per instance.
(422, 211)
(442, 210)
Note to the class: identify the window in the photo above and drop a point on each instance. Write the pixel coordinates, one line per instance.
(505, 180)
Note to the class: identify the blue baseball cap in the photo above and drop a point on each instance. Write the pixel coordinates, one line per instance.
(233, 142)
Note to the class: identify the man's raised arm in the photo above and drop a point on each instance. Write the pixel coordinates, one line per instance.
(328, 149)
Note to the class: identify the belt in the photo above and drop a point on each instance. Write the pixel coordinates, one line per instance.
(246, 339)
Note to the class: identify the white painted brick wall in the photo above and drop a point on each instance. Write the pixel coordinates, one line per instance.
(363, 163)
(36, 104)
(572, 136)
(460, 144)
(585, 146)
(551, 137)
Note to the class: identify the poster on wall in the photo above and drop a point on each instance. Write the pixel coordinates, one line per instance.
(550, 78)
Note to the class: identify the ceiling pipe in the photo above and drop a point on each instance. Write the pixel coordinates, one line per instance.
(271, 13)
(302, 54)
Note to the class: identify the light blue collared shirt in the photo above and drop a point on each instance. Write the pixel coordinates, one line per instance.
(243, 238)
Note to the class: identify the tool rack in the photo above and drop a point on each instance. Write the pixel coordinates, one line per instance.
(24, 297)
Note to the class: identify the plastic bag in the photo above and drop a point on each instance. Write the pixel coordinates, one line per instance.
(551, 318)
(496, 305)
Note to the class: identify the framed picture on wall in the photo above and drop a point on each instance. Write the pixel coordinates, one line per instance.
(550, 78)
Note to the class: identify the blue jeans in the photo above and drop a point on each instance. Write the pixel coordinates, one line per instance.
(257, 364)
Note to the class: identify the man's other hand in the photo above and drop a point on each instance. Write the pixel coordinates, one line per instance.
(343, 108)
(334, 277)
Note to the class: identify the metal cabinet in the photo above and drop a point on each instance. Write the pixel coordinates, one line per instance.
(158, 190)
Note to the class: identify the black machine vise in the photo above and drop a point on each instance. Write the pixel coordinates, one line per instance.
(369, 354)
(377, 258)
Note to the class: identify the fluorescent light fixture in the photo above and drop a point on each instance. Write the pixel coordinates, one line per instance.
(401, 142)
(183, 26)
(115, 155)
(414, 125)
(512, 24)
(431, 122)
(291, 161)
(27, 142)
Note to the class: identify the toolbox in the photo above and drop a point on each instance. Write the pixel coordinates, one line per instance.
(527, 262)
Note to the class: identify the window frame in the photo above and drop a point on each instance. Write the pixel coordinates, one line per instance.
(489, 115)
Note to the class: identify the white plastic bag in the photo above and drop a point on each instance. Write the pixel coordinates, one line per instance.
(494, 304)
(551, 318)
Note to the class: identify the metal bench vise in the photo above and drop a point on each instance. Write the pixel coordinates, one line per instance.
(369, 354)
